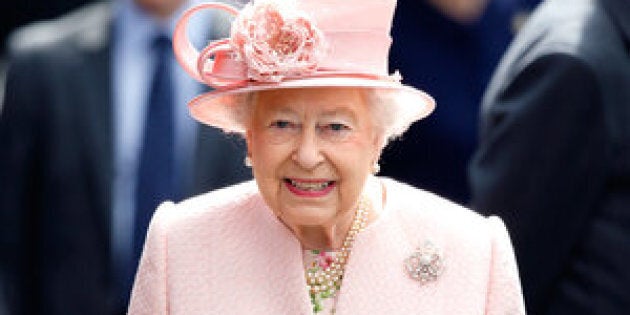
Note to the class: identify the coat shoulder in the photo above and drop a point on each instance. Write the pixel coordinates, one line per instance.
(476, 252)
(580, 29)
(218, 206)
(88, 27)
(415, 202)
(419, 209)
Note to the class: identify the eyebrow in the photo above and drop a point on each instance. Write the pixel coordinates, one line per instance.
(339, 112)
(332, 113)
(284, 110)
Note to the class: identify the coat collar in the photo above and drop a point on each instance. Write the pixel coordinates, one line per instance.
(375, 281)
(620, 12)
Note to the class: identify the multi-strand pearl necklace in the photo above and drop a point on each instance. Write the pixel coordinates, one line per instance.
(330, 278)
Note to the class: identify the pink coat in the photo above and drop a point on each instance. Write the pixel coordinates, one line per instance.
(226, 253)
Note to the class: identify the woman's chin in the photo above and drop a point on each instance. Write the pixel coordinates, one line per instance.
(307, 216)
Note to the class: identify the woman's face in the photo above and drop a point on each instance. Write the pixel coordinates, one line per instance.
(311, 151)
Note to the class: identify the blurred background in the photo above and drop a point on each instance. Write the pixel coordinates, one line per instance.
(14, 14)
(448, 48)
(17, 13)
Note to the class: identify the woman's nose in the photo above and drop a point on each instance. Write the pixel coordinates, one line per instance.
(308, 153)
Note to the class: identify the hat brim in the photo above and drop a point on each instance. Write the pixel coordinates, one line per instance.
(218, 108)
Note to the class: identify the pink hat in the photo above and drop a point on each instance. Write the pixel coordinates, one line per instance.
(281, 44)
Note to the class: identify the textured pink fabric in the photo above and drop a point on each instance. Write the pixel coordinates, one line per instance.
(225, 253)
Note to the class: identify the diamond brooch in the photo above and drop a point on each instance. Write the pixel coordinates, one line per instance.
(426, 263)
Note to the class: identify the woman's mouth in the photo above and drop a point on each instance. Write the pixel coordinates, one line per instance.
(309, 187)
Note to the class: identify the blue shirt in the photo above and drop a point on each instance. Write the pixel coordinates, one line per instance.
(132, 70)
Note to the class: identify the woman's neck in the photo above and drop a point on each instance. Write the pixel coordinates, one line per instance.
(332, 236)
(329, 237)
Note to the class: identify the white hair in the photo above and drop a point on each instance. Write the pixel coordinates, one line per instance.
(243, 109)
(389, 112)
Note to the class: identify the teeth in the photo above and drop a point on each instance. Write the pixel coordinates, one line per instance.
(309, 186)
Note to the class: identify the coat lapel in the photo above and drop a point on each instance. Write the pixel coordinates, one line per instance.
(290, 294)
(265, 259)
(620, 11)
(93, 88)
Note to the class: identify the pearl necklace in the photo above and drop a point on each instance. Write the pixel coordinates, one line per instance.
(329, 279)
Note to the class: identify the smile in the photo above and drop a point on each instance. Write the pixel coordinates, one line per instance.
(309, 188)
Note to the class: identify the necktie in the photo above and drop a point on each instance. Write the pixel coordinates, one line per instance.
(156, 170)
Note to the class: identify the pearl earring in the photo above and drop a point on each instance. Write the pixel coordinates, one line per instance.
(248, 161)
(376, 168)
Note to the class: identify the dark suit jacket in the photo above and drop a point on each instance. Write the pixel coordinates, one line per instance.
(453, 62)
(554, 157)
(56, 168)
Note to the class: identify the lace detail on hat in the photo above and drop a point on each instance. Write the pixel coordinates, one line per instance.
(276, 40)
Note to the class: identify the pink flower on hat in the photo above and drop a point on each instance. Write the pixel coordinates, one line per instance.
(276, 41)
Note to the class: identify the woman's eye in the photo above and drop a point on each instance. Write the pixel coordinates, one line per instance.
(335, 131)
(336, 127)
(281, 124)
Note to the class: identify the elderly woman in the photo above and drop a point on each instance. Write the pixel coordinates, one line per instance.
(305, 83)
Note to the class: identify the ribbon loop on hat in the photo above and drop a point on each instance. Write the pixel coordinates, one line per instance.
(280, 44)
(272, 42)
(224, 71)
(189, 57)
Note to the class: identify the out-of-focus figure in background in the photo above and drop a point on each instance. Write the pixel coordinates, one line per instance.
(18, 13)
(554, 157)
(448, 48)
(94, 107)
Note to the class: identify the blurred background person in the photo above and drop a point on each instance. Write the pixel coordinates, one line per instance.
(95, 110)
(554, 157)
(448, 48)
(18, 13)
